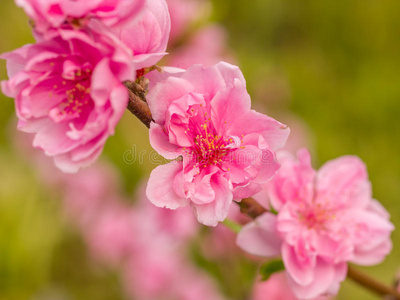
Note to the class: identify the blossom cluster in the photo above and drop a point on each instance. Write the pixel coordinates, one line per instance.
(69, 91)
(68, 87)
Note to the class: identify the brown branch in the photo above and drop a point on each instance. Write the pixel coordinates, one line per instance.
(251, 208)
(371, 284)
(137, 104)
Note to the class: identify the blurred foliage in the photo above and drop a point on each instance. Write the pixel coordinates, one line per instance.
(335, 64)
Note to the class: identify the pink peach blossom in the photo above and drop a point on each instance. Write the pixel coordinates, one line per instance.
(148, 36)
(325, 219)
(47, 14)
(68, 92)
(225, 149)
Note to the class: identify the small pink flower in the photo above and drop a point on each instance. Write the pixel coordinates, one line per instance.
(147, 37)
(203, 115)
(68, 92)
(325, 219)
(47, 14)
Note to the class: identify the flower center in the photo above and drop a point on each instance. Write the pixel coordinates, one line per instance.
(316, 216)
(76, 98)
(209, 148)
(76, 94)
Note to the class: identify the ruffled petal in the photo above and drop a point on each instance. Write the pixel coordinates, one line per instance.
(211, 213)
(260, 237)
(160, 188)
(345, 179)
(160, 142)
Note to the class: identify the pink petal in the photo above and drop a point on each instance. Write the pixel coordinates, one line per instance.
(164, 93)
(294, 180)
(212, 213)
(326, 277)
(372, 256)
(66, 164)
(260, 237)
(301, 272)
(231, 114)
(345, 179)
(230, 73)
(262, 196)
(249, 190)
(204, 192)
(160, 188)
(148, 36)
(157, 76)
(53, 139)
(160, 142)
(207, 81)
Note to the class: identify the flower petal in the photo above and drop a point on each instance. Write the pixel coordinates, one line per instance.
(211, 213)
(160, 189)
(260, 237)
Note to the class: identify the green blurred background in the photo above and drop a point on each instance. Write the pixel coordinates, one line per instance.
(334, 64)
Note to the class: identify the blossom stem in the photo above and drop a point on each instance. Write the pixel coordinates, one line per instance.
(251, 208)
(371, 284)
(232, 225)
(137, 104)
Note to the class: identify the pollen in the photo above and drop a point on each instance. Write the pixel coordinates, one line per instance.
(209, 147)
(76, 98)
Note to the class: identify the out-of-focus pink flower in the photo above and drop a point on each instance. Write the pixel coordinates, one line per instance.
(207, 47)
(325, 219)
(203, 115)
(198, 285)
(185, 12)
(47, 14)
(68, 92)
(86, 195)
(177, 226)
(160, 274)
(147, 37)
(276, 288)
(158, 268)
(111, 236)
